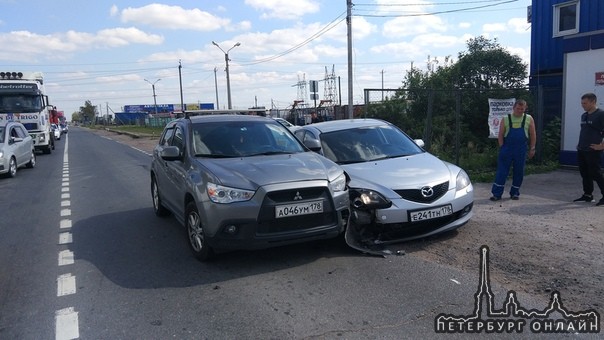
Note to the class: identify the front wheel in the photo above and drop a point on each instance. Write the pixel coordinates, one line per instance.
(158, 207)
(32, 160)
(12, 167)
(197, 238)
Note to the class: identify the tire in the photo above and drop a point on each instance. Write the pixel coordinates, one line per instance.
(32, 160)
(12, 168)
(158, 207)
(196, 235)
(47, 150)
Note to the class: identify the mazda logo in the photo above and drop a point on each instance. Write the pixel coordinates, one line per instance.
(427, 192)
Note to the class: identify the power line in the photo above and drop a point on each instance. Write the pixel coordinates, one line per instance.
(437, 12)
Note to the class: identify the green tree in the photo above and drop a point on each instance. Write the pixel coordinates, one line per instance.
(485, 70)
(88, 112)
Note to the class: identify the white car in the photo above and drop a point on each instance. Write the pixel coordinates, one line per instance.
(16, 149)
(398, 191)
(291, 127)
(56, 131)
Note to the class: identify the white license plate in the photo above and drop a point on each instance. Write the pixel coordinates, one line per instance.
(428, 214)
(305, 208)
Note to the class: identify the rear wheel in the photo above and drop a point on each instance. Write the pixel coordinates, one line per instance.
(158, 207)
(32, 160)
(197, 238)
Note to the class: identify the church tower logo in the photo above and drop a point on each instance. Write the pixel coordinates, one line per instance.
(512, 317)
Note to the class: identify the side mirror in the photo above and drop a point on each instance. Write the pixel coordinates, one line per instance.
(419, 142)
(313, 144)
(16, 139)
(170, 153)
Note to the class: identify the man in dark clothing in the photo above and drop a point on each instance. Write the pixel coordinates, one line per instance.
(589, 148)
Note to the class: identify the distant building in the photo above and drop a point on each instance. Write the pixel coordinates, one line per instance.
(567, 60)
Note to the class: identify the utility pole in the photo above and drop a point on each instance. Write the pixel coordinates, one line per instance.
(382, 84)
(216, 87)
(349, 31)
(182, 102)
(154, 97)
(226, 60)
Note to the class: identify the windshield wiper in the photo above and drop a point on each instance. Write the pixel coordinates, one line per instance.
(269, 153)
(211, 155)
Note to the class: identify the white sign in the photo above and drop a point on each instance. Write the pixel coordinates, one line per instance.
(498, 109)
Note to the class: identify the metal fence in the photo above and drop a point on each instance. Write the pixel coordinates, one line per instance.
(459, 118)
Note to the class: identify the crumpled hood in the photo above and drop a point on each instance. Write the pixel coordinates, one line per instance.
(410, 172)
(253, 172)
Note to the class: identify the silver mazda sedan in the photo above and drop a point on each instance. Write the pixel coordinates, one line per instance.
(398, 191)
(245, 182)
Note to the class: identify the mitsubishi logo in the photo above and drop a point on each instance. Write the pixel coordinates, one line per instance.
(298, 196)
(427, 192)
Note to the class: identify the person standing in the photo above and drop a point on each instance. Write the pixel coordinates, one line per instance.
(589, 148)
(516, 131)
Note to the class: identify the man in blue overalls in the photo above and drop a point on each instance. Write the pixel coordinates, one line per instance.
(515, 130)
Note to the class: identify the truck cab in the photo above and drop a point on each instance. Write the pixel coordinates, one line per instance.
(23, 99)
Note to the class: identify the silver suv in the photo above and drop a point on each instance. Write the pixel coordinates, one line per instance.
(245, 182)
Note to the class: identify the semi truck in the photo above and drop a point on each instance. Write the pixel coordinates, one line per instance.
(23, 99)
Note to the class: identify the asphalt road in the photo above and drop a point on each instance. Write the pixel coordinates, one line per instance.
(83, 256)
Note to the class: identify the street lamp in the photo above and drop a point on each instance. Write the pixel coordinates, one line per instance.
(226, 59)
(154, 97)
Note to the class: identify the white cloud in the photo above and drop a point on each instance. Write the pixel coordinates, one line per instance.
(519, 25)
(30, 46)
(113, 11)
(497, 27)
(284, 9)
(173, 17)
(409, 26)
(119, 78)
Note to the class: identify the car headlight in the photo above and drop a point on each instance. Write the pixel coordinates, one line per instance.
(338, 184)
(367, 199)
(222, 194)
(42, 137)
(1, 154)
(463, 180)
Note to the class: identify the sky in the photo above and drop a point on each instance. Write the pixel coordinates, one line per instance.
(113, 53)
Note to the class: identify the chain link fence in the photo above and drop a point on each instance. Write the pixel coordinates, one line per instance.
(454, 123)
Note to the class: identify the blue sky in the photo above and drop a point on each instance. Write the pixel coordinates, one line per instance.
(103, 51)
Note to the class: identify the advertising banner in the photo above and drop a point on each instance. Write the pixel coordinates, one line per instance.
(498, 109)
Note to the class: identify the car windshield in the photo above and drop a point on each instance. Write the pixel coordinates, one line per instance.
(365, 144)
(242, 139)
(20, 103)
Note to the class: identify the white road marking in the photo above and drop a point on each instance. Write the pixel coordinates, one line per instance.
(66, 189)
(66, 321)
(65, 203)
(64, 196)
(65, 212)
(66, 285)
(65, 224)
(65, 238)
(455, 281)
(66, 258)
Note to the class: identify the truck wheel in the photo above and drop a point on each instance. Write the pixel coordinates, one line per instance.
(47, 150)
(158, 207)
(52, 144)
(12, 167)
(32, 160)
(197, 238)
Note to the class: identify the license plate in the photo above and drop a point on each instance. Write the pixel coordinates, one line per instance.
(305, 208)
(428, 214)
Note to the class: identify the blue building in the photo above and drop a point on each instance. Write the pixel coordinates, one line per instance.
(567, 60)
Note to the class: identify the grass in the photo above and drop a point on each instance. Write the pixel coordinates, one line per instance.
(144, 130)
